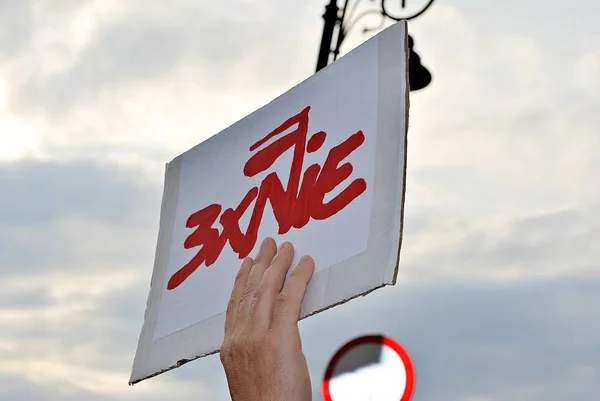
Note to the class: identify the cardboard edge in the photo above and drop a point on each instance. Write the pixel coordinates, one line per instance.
(177, 365)
(165, 231)
(406, 117)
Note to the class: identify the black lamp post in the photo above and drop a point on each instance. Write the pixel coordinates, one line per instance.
(336, 21)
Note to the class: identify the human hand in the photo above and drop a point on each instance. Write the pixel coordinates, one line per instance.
(262, 352)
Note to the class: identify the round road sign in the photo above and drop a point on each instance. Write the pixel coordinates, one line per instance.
(370, 368)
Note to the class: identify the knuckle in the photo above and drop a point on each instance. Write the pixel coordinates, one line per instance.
(280, 308)
(246, 294)
(265, 289)
(259, 293)
(284, 297)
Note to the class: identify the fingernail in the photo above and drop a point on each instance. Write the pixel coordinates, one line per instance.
(305, 258)
(282, 245)
(264, 243)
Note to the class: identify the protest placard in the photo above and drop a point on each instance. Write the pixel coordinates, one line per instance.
(322, 166)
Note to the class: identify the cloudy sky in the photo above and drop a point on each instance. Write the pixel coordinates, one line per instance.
(500, 275)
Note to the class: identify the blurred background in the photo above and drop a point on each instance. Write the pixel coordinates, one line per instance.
(499, 280)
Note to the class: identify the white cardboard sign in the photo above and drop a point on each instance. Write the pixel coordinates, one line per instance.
(322, 166)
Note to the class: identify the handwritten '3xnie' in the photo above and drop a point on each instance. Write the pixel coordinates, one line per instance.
(293, 206)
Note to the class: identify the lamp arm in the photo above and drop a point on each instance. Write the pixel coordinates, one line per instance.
(385, 11)
(344, 28)
(361, 16)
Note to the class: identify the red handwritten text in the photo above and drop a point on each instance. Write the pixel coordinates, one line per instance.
(294, 206)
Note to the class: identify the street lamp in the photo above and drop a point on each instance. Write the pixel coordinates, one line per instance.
(343, 20)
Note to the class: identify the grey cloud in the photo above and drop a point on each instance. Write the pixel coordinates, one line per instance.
(25, 299)
(15, 388)
(110, 326)
(49, 211)
(105, 336)
(36, 192)
(38, 198)
(551, 239)
(440, 246)
(554, 235)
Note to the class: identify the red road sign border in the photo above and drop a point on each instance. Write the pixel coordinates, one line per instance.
(384, 340)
